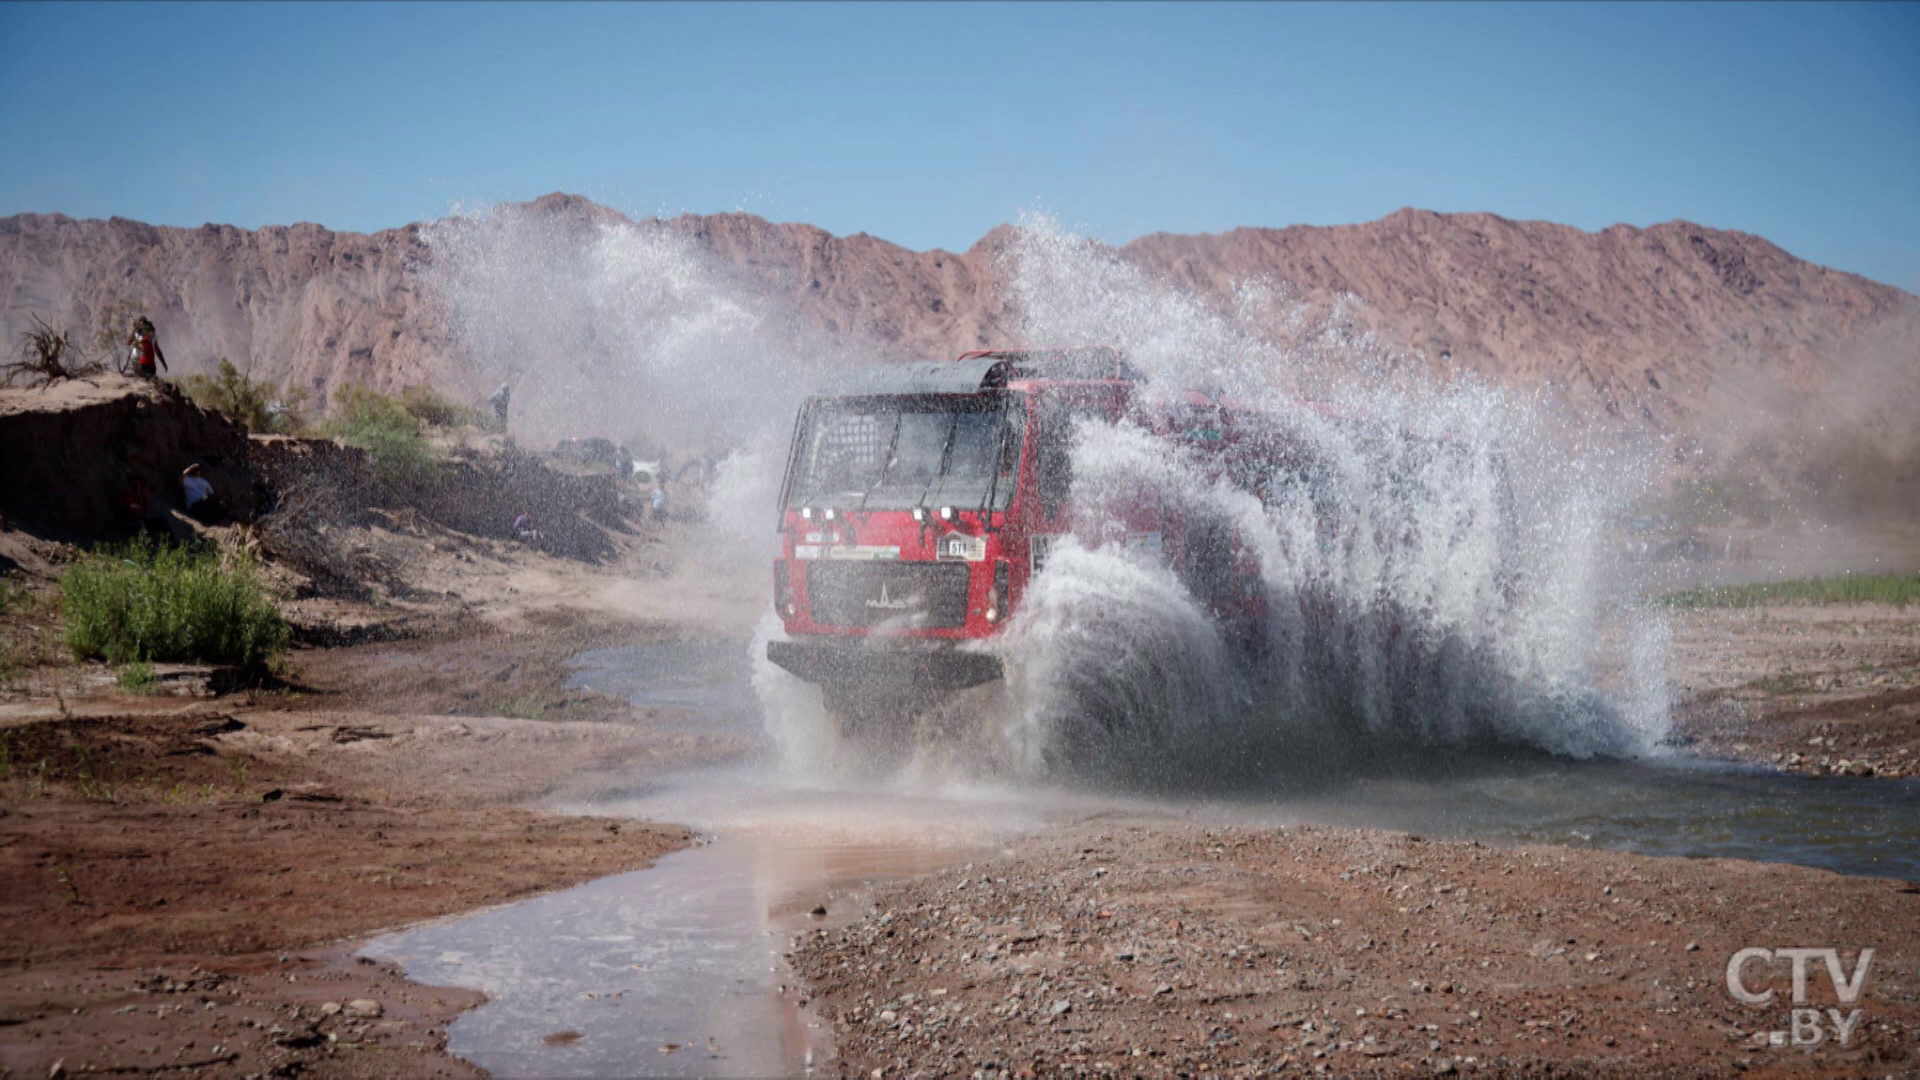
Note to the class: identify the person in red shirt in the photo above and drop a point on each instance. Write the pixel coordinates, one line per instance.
(144, 348)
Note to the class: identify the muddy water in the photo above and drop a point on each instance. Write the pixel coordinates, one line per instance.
(670, 971)
(676, 970)
(1678, 807)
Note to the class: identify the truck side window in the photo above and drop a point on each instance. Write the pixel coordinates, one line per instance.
(1053, 453)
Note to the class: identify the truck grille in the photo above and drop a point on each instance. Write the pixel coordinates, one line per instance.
(932, 595)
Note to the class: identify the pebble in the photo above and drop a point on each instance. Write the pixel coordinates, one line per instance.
(1061, 1008)
(364, 1008)
(329, 1008)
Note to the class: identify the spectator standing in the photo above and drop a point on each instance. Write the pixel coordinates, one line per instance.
(143, 348)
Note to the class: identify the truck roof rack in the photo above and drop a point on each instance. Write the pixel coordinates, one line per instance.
(1056, 362)
(982, 369)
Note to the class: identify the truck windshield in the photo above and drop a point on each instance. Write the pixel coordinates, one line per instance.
(898, 453)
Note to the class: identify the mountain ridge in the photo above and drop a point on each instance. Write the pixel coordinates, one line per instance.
(1658, 322)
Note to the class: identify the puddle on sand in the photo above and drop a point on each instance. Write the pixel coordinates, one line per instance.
(712, 681)
(674, 970)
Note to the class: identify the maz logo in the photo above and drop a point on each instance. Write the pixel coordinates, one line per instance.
(886, 602)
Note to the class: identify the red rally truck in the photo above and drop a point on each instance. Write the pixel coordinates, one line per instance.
(920, 499)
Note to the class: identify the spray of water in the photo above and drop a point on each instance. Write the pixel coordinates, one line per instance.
(1435, 566)
(604, 326)
(1435, 573)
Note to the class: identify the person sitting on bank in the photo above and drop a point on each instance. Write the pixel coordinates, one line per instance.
(198, 492)
(144, 348)
(137, 504)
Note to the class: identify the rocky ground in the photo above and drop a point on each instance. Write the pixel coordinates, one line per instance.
(1810, 689)
(1122, 949)
(182, 879)
(1113, 949)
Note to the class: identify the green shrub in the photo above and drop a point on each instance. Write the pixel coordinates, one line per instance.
(256, 405)
(390, 435)
(430, 408)
(137, 678)
(143, 602)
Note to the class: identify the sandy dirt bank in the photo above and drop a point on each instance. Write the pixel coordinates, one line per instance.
(1164, 950)
(182, 878)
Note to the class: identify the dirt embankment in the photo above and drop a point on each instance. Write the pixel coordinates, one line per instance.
(1164, 950)
(73, 451)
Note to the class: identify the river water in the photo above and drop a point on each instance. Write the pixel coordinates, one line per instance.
(676, 970)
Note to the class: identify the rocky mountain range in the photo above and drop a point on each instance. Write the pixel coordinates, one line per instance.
(1664, 325)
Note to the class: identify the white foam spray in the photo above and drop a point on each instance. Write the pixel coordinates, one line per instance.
(602, 325)
(1436, 569)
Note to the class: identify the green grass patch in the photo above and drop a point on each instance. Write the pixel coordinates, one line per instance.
(390, 435)
(435, 410)
(1898, 590)
(146, 602)
(525, 707)
(137, 678)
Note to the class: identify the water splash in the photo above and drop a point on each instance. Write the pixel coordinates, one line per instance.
(1440, 577)
(1435, 567)
(606, 326)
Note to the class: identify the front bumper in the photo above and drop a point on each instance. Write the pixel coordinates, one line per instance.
(863, 663)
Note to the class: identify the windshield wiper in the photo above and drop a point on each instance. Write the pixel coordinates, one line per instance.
(893, 446)
(985, 512)
(946, 460)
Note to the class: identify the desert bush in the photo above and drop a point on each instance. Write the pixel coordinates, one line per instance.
(137, 678)
(296, 534)
(144, 601)
(46, 356)
(390, 435)
(254, 404)
(434, 410)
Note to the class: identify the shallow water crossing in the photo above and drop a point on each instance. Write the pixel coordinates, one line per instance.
(670, 971)
(677, 970)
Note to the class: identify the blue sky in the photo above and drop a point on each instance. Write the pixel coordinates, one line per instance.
(928, 125)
